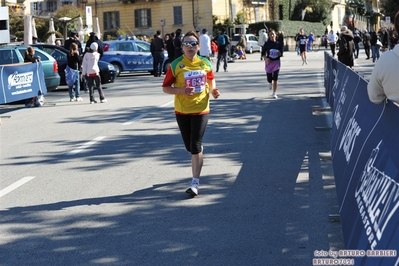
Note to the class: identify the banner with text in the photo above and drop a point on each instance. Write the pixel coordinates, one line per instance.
(365, 152)
(21, 81)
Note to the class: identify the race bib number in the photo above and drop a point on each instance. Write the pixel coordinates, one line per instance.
(196, 79)
(274, 53)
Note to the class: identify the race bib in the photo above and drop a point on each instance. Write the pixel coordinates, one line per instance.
(196, 79)
(273, 53)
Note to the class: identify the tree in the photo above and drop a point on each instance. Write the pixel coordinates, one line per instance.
(16, 24)
(390, 8)
(312, 10)
(70, 12)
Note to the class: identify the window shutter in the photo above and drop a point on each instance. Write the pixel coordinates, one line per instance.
(149, 18)
(105, 22)
(136, 18)
(117, 22)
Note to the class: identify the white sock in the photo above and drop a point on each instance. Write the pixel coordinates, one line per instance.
(196, 180)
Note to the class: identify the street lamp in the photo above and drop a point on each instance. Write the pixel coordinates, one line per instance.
(64, 21)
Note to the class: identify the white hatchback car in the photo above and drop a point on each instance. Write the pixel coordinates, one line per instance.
(252, 43)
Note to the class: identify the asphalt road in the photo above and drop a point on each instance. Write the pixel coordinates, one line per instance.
(104, 184)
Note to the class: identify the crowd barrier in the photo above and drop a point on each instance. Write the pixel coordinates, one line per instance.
(365, 158)
(21, 81)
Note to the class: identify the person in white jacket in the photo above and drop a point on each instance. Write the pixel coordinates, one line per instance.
(91, 71)
(384, 79)
(205, 41)
(262, 39)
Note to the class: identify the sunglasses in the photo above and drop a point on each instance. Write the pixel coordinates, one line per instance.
(191, 44)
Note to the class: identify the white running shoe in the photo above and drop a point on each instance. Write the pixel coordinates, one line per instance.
(79, 99)
(72, 99)
(270, 86)
(103, 101)
(193, 188)
(274, 95)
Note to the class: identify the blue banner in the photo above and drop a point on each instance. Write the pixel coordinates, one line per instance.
(21, 81)
(365, 152)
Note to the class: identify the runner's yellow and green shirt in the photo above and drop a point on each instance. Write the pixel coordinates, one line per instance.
(185, 73)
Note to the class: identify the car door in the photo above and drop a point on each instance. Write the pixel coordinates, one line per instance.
(254, 42)
(143, 56)
(125, 52)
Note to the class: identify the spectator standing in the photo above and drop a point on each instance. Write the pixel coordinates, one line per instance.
(280, 40)
(332, 39)
(262, 39)
(205, 48)
(93, 38)
(170, 47)
(157, 48)
(242, 42)
(223, 44)
(311, 39)
(72, 73)
(192, 101)
(177, 44)
(384, 40)
(375, 46)
(357, 39)
(30, 57)
(91, 71)
(383, 82)
(73, 38)
(367, 43)
(346, 47)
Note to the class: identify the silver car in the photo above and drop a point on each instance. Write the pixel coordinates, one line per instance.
(252, 43)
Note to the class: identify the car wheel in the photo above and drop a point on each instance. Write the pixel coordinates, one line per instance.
(118, 68)
(250, 50)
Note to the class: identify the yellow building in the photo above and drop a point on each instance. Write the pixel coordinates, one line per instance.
(145, 17)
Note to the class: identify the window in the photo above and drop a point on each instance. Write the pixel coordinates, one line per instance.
(51, 6)
(66, 3)
(142, 18)
(177, 15)
(111, 20)
(280, 12)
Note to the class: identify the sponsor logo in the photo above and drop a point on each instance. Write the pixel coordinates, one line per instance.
(377, 197)
(351, 132)
(20, 80)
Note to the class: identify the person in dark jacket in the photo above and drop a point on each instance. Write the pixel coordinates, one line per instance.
(72, 73)
(346, 47)
(157, 47)
(73, 38)
(94, 38)
(177, 44)
(375, 46)
(170, 47)
(367, 43)
(271, 52)
(30, 58)
(357, 39)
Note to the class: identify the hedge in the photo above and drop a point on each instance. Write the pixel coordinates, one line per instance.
(289, 27)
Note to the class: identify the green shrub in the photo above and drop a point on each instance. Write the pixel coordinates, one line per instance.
(289, 27)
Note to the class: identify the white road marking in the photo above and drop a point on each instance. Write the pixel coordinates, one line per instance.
(166, 104)
(16, 185)
(134, 119)
(86, 145)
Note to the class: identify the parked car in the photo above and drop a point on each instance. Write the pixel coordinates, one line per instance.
(15, 54)
(130, 55)
(107, 71)
(252, 43)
